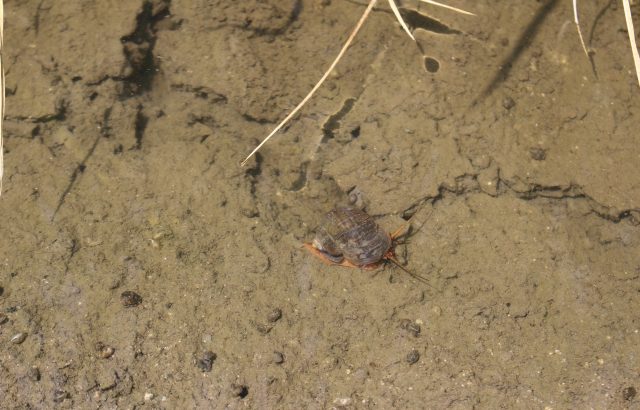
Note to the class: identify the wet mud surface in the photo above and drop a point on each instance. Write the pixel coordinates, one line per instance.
(142, 267)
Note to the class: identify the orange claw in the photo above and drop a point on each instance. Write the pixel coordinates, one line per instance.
(326, 259)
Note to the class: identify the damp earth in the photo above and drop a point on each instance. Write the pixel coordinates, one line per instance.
(141, 266)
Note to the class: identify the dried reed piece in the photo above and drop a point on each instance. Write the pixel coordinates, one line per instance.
(577, 22)
(632, 37)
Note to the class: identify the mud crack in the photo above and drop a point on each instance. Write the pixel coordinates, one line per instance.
(468, 184)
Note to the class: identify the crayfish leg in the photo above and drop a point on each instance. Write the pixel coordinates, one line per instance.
(402, 231)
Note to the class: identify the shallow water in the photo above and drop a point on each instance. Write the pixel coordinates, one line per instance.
(146, 268)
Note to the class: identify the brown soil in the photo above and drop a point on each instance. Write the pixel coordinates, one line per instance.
(148, 269)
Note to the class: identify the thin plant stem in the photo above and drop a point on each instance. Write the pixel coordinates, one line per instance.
(435, 3)
(395, 10)
(577, 22)
(632, 37)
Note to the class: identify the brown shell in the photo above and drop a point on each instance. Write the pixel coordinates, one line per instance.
(351, 234)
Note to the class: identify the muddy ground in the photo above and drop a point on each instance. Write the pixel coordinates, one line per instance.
(141, 266)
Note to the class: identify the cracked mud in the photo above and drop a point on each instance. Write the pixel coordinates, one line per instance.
(142, 267)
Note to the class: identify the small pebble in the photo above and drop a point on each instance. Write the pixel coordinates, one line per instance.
(278, 358)
(60, 395)
(3, 319)
(508, 103)
(148, 396)
(342, 401)
(130, 298)
(274, 315)
(18, 338)
(410, 326)
(413, 356)
(1, 290)
(240, 390)
(264, 328)
(628, 393)
(104, 351)
(206, 362)
(34, 374)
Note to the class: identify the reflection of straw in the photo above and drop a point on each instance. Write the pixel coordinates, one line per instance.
(632, 37)
(1, 90)
(335, 62)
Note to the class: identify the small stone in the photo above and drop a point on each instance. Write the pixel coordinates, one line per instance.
(537, 153)
(508, 103)
(274, 315)
(18, 338)
(240, 390)
(342, 401)
(206, 362)
(629, 393)
(263, 328)
(148, 396)
(34, 374)
(60, 395)
(130, 298)
(413, 356)
(411, 327)
(278, 358)
(104, 351)
(3, 319)
(1, 290)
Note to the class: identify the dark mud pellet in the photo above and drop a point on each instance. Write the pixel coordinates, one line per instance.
(240, 390)
(411, 327)
(3, 319)
(413, 356)
(206, 362)
(274, 315)
(34, 374)
(278, 358)
(130, 298)
(628, 393)
(538, 153)
(18, 338)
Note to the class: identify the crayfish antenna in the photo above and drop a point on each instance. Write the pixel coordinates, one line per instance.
(413, 275)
